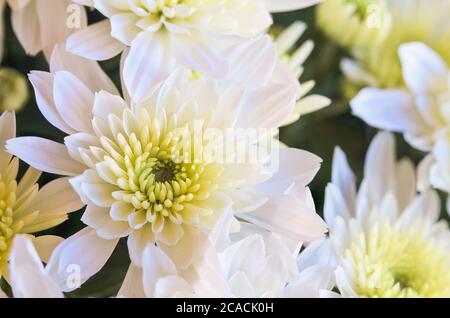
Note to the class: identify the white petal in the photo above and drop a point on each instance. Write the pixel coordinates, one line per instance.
(268, 107)
(288, 216)
(89, 72)
(53, 23)
(147, 65)
(343, 177)
(296, 166)
(100, 220)
(45, 155)
(155, 265)
(43, 88)
(183, 253)
(57, 198)
(28, 279)
(83, 253)
(172, 286)
(25, 24)
(138, 241)
(74, 101)
(95, 42)
(424, 171)
(123, 27)
(423, 69)
(406, 182)
(106, 104)
(99, 192)
(379, 169)
(336, 205)
(252, 62)
(388, 109)
(198, 56)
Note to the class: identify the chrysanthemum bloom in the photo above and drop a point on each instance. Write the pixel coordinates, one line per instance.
(412, 20)
(251, 263)
(163, 34)
(294, 58)
(41, 24)
(354, 24)
(420, 112)
(24, 208)
(389, 239)
(131, 166)
(13, 90)
(28, 277)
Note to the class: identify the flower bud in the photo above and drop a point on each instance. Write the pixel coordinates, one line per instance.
(13, 90)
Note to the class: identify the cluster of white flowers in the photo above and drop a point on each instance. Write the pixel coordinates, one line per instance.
(183, 163)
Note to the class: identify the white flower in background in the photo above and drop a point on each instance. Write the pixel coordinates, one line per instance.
(124, 158)
(294, 58)
(41, 24)
(24, 208)
(378, 65)
(28, 277)
(251, 263)
(389, 239)
(422, 111)
(163, 34)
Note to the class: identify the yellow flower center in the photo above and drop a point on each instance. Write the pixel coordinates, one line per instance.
(389, 262)
(8, 226)
(157, 175)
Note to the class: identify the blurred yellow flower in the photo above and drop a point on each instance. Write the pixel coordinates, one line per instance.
(13, 90)
(354, 23)
(415, 20)
(24, 207)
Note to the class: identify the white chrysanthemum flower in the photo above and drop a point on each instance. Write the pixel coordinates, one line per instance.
(24, 208)
(421, 112)
(41, 24)
(163, 34)
(247, 264)
(129, 164)
(412, 20)
(389, 239)
(294, 58)
(28, 277)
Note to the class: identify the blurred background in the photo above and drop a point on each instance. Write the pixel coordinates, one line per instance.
(319, 132)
